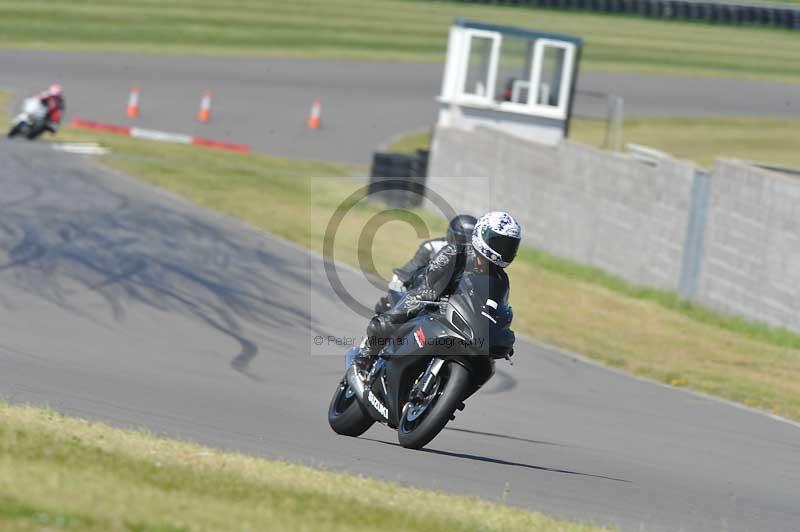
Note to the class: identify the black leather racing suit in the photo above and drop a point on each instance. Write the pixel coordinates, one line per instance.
(439, 278)
(423, 256)
(409, 271)
(55, 106)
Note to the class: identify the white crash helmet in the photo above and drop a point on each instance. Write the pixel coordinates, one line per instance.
(497, 236)
(55, 90)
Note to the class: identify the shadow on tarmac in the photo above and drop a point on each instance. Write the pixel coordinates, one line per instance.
(500, 461)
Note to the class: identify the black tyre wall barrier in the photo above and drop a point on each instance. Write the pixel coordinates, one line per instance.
(786, 17)
(410, 170)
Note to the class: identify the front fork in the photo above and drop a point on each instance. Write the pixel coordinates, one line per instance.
(425, 383)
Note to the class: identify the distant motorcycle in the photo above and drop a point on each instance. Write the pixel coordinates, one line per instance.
(32, 121)
(437, 361)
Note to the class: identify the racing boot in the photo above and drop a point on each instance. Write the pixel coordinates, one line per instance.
(371, 345)
(363, 361)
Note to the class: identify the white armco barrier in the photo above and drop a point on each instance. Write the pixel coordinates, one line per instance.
(81, 148)
(152, 134)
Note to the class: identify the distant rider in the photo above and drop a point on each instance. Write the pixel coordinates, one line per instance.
(491, 248)
(459, 230)
(53, 100)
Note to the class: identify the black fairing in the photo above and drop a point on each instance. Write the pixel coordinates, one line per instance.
(482, 301)
(434, 334)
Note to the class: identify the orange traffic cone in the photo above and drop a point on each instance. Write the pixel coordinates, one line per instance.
(204, 115)
(133, 102)
(316, 115)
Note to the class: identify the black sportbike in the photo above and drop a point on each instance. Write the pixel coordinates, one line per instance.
(430, 367)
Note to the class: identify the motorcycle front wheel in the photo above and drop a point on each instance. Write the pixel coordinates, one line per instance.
(424, 418)
(346, 416)
(14, 131)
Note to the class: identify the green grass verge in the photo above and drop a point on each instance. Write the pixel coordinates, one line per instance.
(419, 140)
(64, 473)
(387, 30)
(699, 139)
(705, 139)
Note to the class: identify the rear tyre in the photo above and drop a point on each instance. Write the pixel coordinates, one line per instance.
(346, 416)
(417, 428)
(34, 133)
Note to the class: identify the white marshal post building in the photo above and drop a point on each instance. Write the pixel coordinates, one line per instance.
(519, 81)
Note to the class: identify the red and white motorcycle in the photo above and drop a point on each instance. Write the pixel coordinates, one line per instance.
(32, 121)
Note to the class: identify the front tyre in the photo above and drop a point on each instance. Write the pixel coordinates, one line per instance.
(424, 418)
(346, 416)
(14, 131)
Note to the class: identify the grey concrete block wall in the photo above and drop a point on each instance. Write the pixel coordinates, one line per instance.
(605, 210)
(751, 259)
(729, 240)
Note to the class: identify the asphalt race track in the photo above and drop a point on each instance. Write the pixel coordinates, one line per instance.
(122, 303)
(265, 101)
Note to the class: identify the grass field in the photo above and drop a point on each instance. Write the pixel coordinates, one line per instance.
(771, 140)
(645, 332)
(67, 474)
(699, 139)
(387, 29)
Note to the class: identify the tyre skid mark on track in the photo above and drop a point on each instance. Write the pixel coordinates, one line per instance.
(125, 250)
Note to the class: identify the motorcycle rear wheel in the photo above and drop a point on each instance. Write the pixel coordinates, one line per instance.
(346, 416)
(34, 133)
(416, 433)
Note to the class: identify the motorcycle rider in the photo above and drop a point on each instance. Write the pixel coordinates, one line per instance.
(53, 100)
(459, 230)
(491, 248)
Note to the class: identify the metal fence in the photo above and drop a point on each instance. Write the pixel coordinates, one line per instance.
(602, 107)
(780, 16)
